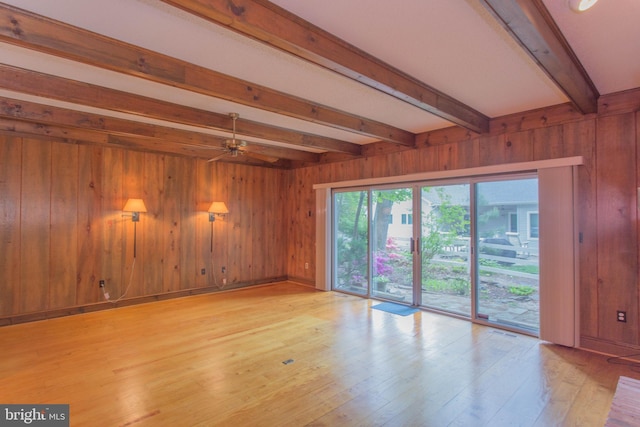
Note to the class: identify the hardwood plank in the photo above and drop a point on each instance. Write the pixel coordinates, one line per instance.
(35, 222)
(241, 204)
(278, 226)
(625, 406)
(172, 241)
(10, 206)
(152, 364)
(186, 178)
(223, 228)
(617, 214)
(113, 222)
(89, 224)
(64, 226)
(259, 223)
(455, 156)
(203, 239)
(132, 275)
(152, 240)
(579, 139)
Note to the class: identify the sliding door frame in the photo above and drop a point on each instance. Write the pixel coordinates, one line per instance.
(324, 263)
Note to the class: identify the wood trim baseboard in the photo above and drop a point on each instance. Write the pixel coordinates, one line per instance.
(302, 281)
(610, 348)
(87, 308)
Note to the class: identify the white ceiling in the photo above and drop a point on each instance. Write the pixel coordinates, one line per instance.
(454, 46)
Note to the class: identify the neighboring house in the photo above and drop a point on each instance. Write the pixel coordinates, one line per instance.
(509, 210)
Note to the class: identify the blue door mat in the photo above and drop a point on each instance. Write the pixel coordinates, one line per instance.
(400, 309)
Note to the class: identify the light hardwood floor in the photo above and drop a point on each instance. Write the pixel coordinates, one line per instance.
(217, 359)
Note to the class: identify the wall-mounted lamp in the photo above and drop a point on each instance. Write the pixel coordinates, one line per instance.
(217, 209)
(135, 206)
(581, 5)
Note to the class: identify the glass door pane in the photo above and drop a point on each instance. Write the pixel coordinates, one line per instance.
(444, 248)
(391, 236)
(351, 236)
(507, 258)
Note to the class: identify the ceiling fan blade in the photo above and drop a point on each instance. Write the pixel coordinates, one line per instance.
(263, 157)
(213, 159)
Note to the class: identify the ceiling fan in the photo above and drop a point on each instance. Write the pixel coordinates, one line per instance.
(234, 147)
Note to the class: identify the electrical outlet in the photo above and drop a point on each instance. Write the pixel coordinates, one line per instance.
(622, 316)
(224, 270)
(306, 265)
(203, 271)
(101, 283)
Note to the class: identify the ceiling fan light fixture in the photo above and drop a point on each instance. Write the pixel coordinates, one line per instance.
(581, 5)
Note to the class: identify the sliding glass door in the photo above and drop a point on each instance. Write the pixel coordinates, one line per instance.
(445, 248)
(466, 248)
(351, 242)
(507, 281)
(391, 244)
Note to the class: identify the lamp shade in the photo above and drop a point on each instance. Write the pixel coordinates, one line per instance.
(134, 205)
(218, 208)
(581, 5)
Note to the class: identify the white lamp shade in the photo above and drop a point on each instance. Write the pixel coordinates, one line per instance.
(134, 205)
(581, 5)
(218, 208)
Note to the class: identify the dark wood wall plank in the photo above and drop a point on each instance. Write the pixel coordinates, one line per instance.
(617, 216)
(132, 188)
(89, 224)
(34, 225)
(204, 228)
(64, 230)
(579, 139)
(223, 227)
(152, 239)
(171, 224)
(10, 207)
(241, 204)
(112, 223)
(186, 178)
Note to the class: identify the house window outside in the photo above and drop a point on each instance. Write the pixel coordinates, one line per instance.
(534, 228)
(513, 222)
(407, 219)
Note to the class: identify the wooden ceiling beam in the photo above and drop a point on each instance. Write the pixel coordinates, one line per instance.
(84, 136)
(263, 157)
(47, 86)
(36, 32)
(533, 28)
(143, 132)
(273, 25)
(58, 133)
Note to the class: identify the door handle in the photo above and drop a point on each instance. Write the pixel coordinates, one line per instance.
(414, 245)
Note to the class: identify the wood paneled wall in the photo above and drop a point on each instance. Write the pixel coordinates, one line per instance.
(608, 200)
(62, 227)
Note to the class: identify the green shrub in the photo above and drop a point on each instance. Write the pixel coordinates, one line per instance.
(522, 291)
